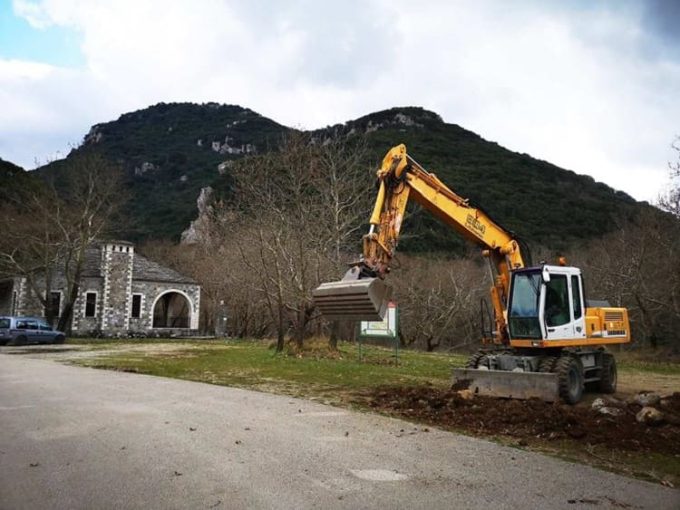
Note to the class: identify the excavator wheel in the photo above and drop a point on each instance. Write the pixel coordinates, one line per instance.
(473, 361)
(569, 371)
(483, 363)
(608, 375)
(546, 364)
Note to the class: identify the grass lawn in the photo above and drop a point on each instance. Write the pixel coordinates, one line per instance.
(249, 364)
(337, 378)
(253, 364)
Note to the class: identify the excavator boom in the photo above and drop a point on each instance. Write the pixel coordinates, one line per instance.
(362, 293)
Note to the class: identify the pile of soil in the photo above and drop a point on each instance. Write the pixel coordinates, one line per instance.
(530, 419)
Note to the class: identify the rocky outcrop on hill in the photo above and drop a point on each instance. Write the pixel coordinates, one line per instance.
(198, 228)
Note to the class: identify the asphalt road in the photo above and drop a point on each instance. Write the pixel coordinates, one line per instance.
(82, 438)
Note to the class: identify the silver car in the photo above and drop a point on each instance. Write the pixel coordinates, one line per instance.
(28, 330)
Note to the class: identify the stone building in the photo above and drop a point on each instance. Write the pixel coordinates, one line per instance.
(121, 293)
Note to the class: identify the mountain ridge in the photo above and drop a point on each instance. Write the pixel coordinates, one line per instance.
(171, 151)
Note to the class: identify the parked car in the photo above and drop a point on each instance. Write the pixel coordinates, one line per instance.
(28, 330)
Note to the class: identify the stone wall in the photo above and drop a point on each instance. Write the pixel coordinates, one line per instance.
(28, 304)
(117, 269)
(151, 291)
(88, 325)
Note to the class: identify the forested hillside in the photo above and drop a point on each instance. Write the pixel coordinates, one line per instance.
(542, 203)
(13, 179)
(170, 151)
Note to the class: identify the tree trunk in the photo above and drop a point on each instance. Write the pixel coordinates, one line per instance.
(300, 328)
(646, 322)
(430, 345)
(333, 340)
(280, 333)
(65, 321)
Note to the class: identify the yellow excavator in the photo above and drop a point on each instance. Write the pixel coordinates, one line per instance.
(544, 340)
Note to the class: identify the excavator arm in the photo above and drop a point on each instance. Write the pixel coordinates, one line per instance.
(361, 294)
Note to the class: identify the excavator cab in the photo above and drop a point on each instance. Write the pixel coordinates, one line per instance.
(547, 308)
(546, 303)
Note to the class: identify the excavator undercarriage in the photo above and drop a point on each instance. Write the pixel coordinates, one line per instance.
(547, 374)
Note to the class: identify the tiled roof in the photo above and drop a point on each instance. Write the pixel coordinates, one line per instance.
(142, 268)
(145, 269)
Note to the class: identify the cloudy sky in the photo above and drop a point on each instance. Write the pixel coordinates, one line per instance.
(591, 86)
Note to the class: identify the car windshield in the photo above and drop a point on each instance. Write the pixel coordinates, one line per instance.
(524, 304)
(4, 323)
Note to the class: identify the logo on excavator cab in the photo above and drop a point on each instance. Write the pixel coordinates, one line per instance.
(475, 225)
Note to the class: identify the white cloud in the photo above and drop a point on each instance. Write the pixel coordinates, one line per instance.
(590, 89)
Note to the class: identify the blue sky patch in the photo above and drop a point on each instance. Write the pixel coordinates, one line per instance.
(52, 45)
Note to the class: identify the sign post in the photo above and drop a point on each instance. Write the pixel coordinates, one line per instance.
(386, 330)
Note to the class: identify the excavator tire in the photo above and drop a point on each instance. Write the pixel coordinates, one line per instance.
(473, 361)
(608, 375)
(569, 371)
(483, 363)
(546, 364)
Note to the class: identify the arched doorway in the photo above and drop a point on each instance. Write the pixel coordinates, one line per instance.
(172, 310)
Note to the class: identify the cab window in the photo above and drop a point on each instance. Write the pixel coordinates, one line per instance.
(576, 296)
(557, 301)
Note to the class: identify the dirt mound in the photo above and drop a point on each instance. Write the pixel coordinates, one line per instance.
(525, 419)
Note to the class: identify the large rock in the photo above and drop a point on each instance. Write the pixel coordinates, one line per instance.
(649, 416)
(198, 229)
(607, 402)
(598, 404)
(647, 399)
(608, 408)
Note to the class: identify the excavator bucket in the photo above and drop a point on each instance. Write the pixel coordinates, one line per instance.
(506, 384)
(364, 299)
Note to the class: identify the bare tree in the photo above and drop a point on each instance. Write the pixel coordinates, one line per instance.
(92, 196)
(31, 243)
(439, 301)
(634, 267)
(51, 228)
(293, 220)
(670, 200)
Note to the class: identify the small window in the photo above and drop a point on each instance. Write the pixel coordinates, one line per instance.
(44, 326)
(55, 303)
(4, 323)
(576, 296)
(22, 325)
(136, 306)
(557, 301)
(90, 304)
